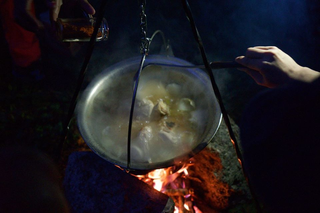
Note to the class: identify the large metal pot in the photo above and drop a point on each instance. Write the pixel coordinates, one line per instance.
(111, 91)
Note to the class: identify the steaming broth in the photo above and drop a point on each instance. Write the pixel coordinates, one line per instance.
(168, 116)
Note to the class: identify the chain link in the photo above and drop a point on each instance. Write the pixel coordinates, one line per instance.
(145, 41)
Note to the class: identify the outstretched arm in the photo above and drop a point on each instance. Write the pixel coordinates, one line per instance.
(271, 67)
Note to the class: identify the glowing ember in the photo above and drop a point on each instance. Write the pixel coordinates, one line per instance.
(158, 177)
(186, 207)
(196, 210)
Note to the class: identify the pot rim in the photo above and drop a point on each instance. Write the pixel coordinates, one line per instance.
(125, 64)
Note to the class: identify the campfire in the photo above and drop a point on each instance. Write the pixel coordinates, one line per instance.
(194, 185)
(210, 181)
(174, 184)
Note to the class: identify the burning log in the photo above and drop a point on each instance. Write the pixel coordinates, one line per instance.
(176, 192)
(180, 193)
(94, 185)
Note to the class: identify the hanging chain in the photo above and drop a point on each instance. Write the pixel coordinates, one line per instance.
(145, 41)
(144, 48)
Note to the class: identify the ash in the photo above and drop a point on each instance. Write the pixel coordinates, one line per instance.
(231, 173)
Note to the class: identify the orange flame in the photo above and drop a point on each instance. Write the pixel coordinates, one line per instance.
(163, 180)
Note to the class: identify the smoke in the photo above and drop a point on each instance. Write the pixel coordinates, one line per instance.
(227, 29)
(104, 107)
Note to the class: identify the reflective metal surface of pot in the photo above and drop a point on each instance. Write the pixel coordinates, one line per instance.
(112, 90)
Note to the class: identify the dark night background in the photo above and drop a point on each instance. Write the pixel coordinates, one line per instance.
(227, 29)
(35, 114)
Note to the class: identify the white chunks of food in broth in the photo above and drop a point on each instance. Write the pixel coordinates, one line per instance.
(173, 130)
(166, 121)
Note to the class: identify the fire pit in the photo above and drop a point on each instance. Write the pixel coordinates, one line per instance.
(211, 181)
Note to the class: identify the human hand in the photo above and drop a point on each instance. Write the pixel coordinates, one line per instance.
(271, 67)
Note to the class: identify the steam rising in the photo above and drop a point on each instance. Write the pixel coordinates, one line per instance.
(174, 112)
(227, 29)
